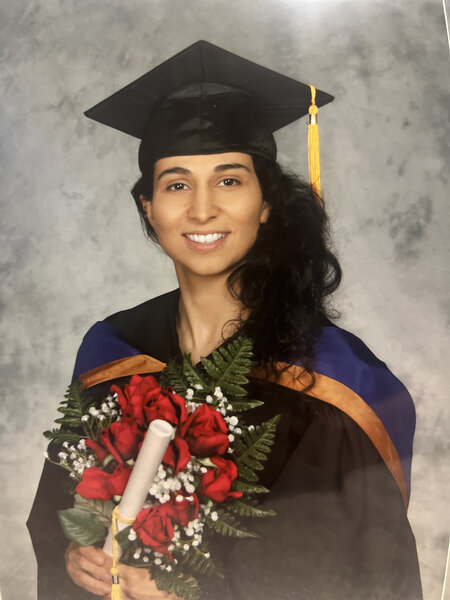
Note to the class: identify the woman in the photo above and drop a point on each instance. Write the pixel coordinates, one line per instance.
(250, 250)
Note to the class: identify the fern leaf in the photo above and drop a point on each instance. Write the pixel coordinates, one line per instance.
(196, 560)
(257, 454)
(229, 366)
(67, 410)
(253, 464)
(183, 586)
(253, 446)
(232, 389)
(249, 488)
(76, 404)
(240, 405)
(249, 509)
(172, 376)
(211, 368)
(55, 435)
(247, 473)
(69, 421)
(78, 397)
(191, 375)
(227, 524)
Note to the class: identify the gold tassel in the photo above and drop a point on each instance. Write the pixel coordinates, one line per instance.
(313, 146)
(116, 592)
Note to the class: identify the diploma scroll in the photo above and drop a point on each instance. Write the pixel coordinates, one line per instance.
(145, 468)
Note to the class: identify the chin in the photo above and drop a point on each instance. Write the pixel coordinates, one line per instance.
(206, 270)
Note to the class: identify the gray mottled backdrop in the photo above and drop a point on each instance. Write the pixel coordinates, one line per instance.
(72, 250)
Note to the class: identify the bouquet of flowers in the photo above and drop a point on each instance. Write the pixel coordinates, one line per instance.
(208, 476)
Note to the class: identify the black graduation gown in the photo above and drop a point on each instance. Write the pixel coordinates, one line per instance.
(340, 530)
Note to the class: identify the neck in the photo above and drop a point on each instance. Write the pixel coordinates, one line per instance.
(207, 314)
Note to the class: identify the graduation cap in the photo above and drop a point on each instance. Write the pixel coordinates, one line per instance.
(206, 100)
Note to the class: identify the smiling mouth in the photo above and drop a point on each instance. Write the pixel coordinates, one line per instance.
(209, 238)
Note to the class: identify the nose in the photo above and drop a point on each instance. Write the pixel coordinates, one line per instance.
(202, 205)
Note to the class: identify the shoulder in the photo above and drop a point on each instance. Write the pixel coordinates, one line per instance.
(147, 328)
(350, 377)
(342, 356)
(153, 308)
(337, 352)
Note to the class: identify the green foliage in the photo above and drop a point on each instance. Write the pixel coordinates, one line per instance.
(173, 376)
(59, 436)
(253, 447)
(229, 366)
(76, 404)
(227, 524)
(191, 374)
(182, 585)
(100, 508)
(181, 376)
(249, 509)
(81, 526)
(249, 488)
(122, 537)
(240, 405)
(196, 561)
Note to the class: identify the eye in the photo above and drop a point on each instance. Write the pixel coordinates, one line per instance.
(175, 187)
(229, 182)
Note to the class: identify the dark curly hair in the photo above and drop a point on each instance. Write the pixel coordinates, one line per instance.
(287, 274)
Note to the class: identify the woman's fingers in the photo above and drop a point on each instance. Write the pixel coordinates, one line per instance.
(89, 568)
(94, 555)
(93, 569)
(136, 583)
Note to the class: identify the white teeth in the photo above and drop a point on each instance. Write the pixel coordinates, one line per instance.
(205, 239)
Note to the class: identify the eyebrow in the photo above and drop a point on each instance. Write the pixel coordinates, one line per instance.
(227, 166)
(178, 170)
(217, 169)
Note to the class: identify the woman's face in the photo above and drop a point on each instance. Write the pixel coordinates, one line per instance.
(206, 211)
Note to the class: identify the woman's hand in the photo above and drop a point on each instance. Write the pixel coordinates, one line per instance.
(89, 567)
(137, 584)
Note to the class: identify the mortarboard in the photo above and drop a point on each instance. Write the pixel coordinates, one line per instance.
(206, 100)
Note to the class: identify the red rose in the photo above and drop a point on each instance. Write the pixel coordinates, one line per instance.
(98, 484)
(132, 398)
(162, 404)
(121, 439)
(154, 527)
(100, 452)
(184, 510)
(143, 400)
(177, 455)
(216, 483)
(205, 432)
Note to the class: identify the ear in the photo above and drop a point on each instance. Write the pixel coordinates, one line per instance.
(264, 213)
(147, 207)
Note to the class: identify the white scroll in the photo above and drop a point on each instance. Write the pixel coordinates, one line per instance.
(145, 468)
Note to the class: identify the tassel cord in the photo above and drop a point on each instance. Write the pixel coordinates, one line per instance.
(116, 592)
(313, 145)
